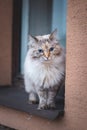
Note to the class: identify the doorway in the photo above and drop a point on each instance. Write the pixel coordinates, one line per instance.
(42, 17)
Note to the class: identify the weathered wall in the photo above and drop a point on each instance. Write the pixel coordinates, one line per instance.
(75, 117)
(5, 41)
(76, 65)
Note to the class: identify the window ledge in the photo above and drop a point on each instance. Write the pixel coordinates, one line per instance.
(17, 98)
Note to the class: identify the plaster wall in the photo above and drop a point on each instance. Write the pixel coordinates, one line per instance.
(5, 41)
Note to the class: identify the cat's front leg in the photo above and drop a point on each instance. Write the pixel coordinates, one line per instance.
(29, 87)
(33, 98)
(42, 94)
(51, 98)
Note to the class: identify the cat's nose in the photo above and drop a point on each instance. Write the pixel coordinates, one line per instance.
(47, 54)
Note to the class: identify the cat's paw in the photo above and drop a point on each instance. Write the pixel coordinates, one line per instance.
(32, 102)
(33, 98)
(51, 106)
(42, 106)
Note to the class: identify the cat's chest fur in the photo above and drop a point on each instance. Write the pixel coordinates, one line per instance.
(46, 75)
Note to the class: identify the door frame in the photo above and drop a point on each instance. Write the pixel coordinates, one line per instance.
(16, 38)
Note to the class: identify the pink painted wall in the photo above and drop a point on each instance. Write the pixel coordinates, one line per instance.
(5, 41)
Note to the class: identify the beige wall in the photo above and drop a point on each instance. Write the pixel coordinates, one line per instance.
(75, 117)
(76, 65)
(5, 41)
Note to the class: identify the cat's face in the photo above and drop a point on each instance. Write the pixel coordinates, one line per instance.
(44, 48)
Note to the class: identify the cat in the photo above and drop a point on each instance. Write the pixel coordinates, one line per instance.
(44, 69)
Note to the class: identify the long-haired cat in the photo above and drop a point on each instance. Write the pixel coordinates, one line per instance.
(44, 69)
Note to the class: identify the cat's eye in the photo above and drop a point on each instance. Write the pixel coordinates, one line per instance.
(40, 50)
(51, 49)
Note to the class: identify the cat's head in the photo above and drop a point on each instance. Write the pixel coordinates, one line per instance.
(44, 48)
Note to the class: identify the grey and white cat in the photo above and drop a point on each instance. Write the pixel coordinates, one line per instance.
(44, 69)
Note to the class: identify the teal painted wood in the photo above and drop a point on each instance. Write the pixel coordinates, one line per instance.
(40, 17)
(25, 31)
(59, 19)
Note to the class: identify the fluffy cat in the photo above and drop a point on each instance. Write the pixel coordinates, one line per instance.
(44, 69)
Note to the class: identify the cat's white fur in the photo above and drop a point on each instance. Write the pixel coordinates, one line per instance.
(35, 71)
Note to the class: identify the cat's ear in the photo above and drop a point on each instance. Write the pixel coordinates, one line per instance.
(32, 41)
(32, 38)
(53, 35)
